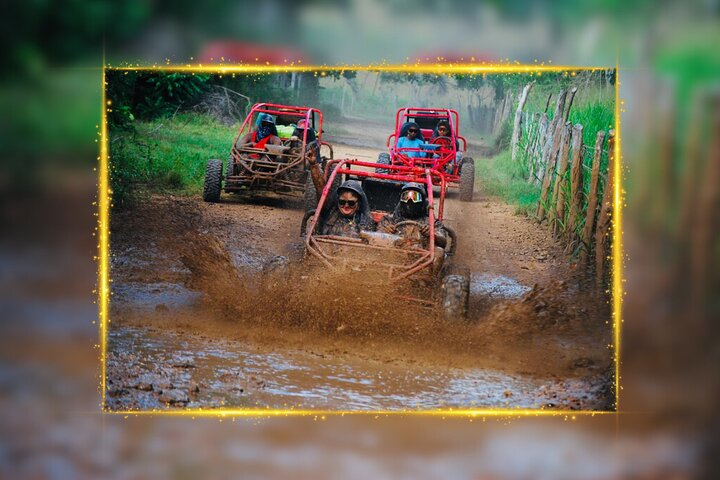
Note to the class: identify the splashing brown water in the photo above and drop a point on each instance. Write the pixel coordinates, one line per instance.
(333, 307)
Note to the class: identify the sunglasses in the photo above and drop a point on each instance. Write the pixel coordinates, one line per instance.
(411, 196)
(442, 129)
(347, 203)
(412, 130)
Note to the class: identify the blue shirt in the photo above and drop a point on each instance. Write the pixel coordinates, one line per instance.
(405, 142)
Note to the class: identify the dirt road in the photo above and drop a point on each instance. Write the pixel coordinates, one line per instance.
(535, 337)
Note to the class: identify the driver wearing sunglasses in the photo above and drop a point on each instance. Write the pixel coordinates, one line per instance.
(413, 206)
(348, 213)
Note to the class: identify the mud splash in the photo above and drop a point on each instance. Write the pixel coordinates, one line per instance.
(311, 333)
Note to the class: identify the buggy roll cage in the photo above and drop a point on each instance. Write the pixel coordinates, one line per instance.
(307, 113)
(417, 257)
(440, 155)
(262, 165)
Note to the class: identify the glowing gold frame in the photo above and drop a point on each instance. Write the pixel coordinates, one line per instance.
(103, 229)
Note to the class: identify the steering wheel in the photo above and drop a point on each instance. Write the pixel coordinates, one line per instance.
(405, 223)
(409, 222)
(443, 141)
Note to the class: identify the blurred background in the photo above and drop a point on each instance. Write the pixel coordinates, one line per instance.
(50, 90)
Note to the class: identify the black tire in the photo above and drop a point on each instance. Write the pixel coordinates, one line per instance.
(310, 197)
(213, 180)
(455, 297)
(230, 170)
(467, 179)
(275, 272)
(383, 159)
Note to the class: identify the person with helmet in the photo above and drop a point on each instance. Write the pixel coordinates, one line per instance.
(265, 133)
(347, 212)
(413, 206)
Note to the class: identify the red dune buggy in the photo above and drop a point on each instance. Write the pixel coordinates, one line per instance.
(443, 153)
(262, 166)
(423, 267)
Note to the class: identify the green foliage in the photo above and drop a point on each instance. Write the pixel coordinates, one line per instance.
(346, 74)
(593, 116)
(168, 154)
(160, 93)
(58, 113)
(501, 83)
(499, 176)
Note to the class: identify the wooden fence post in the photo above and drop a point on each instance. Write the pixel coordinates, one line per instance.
(576, 185)
(518, 119)
(538, 140)
(603, 226)
(558, 198)
(566, 114)
(704, 234)
(547, 162)
(591, 211)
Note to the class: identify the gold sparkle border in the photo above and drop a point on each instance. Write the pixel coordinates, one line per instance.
(103, 229)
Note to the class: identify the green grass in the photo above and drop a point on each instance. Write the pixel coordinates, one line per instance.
(167, 154)
(593, 116)
(498, 176)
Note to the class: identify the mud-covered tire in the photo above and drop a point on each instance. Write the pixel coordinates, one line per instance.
(275, 271)
(213, 181)
(383, 159)
(310, 197)
(278, 263)
(229, 170)
(467, 179)
(455, 297)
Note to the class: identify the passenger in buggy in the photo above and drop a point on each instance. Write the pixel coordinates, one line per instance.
(413, 208)
(411, 137)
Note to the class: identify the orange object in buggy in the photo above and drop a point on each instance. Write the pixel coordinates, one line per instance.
(259, 144)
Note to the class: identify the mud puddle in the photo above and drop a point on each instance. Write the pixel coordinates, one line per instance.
(151, 370)
(496, 286)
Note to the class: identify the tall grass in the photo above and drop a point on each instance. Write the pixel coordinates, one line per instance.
(593, 116)
(500, 177)
(166, 154)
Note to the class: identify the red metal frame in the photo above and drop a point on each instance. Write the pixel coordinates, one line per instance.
(259, 168)
(441, 156)
(277, 109)
(418, 258)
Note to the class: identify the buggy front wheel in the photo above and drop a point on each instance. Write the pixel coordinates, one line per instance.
(455, 297)
(383, 159)
(467, 179)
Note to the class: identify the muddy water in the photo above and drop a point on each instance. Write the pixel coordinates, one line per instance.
(172, 370)
(154, 368)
